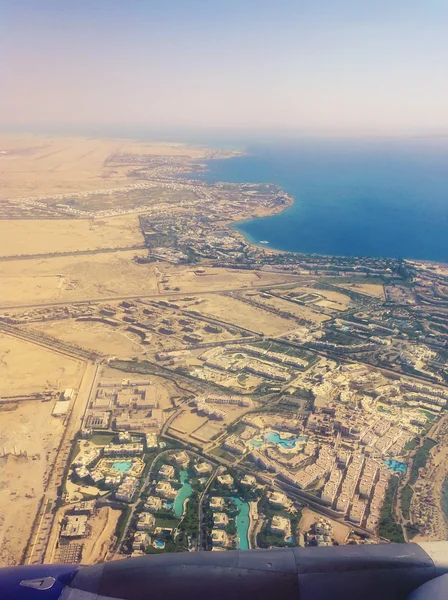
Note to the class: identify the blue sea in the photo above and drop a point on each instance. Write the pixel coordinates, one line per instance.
(381, 198)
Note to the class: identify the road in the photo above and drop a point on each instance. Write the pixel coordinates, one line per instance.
(359, 359)
(39, 548)
(40, 339)
(201, 501)
(72, 253)
(98, 300)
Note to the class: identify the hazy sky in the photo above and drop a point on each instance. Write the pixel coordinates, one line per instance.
(305, 65)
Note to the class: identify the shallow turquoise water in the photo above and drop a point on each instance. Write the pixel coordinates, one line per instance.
(285, 443)
(396, 466)
(122, 466)
(184, 493)
(242, 522)
(275, 438)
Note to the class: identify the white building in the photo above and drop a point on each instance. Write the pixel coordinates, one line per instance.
(249, 481)
(202, 468)
(127, 489)
(145, 522)
(280, 525)
(141, 541)
(217, 503)
(166, 472)
(226, 480)
(219, 538)
(220, 520)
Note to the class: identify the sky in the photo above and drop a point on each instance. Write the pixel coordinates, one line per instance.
(305, 66)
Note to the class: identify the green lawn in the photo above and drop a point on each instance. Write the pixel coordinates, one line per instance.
(102, 439)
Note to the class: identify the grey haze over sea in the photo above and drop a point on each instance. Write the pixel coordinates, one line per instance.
(385, 198)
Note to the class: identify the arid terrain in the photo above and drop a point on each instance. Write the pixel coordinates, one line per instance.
(139, 330)
(33, 165)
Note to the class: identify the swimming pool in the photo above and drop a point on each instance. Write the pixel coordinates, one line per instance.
(275, 438)
(122, 466)
(242, 522)
(396, 466)
(159, 544)
(184, 493)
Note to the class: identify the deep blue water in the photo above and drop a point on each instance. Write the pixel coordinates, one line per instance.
(352, 198)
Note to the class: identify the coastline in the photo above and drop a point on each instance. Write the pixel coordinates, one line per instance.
(368, 209)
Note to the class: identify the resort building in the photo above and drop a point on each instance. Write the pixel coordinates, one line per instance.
(85, 507)
(113, 481)
(181, 458)
(166, 472)
(145, 522)
(202, 468)
(166, 490)
(219, 538)
(358, 510)
(151, 441)
(141, 541)
(217, 503)
(249, 481)
(133, 449)
(279, 500)
(226, 480)
(82, 472)
(87, 457)
(74, 526)
(220, 520)
(153, 503)
(127, 489)
(281, 525)
(234, 445)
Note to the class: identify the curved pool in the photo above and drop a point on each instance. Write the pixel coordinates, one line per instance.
(242, 522)
(184, 493)
(275, 438)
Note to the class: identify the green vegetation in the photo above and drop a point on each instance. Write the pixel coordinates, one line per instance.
(420, 458)
(388, 528)
(236, 428)
(354, 279)
(122, 521)
(74, 451)
(431, 416)
(221, 453)
(411, 445)
(102, 439)
(412, 531)
(231, 528)
(166, 519)
(406, 498)
(265, 538)
(190, 522)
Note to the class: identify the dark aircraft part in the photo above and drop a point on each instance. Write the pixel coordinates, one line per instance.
(436, 589)
(368, 572)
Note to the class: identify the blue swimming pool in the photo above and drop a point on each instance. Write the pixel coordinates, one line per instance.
(275, 438)
(242, 522)
(184, 493)
(159, 544)
(122, 466)
(396, 466)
